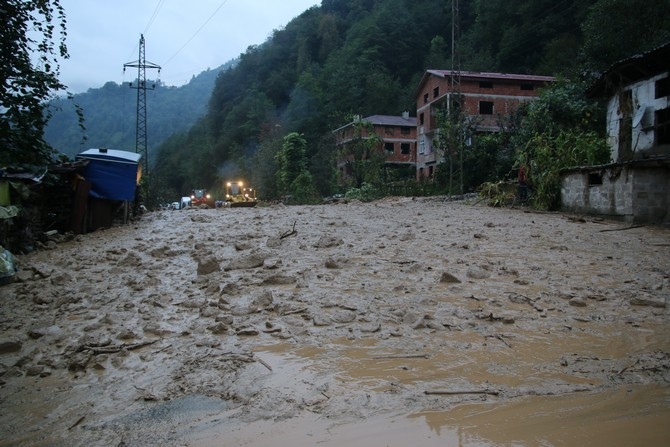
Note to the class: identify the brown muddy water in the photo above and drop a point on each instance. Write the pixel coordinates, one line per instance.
(403, 321)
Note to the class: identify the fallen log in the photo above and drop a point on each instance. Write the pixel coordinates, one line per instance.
(454, 393)
(400, 356)
(116, 348)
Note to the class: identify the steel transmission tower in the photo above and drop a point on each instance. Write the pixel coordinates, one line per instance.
(142, 65)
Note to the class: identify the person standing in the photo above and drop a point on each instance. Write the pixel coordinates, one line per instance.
(523, 185)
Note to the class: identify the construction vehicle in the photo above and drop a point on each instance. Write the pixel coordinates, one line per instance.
(201, 197)
(237, 195)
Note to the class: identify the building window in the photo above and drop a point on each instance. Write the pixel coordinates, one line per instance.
(404, 148)
(422, 144)
(436, 92)
(595, 178)
(485, 84)
(430, 171)
(405, 130)
(388, 130)
(425, 98)
(485, 107)
(421, 119)
(663, 87)
(526, 86)
(389, 147)
(663, 126)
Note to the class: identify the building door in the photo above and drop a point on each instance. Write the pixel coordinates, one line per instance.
(626, 126)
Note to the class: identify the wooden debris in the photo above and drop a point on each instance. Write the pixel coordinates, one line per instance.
(116, 348)
(290, 232)
(79, 421)
(627, 367)
(401, 356)
(622, 229)
(262, 362)
(454, 393)
(499, 337)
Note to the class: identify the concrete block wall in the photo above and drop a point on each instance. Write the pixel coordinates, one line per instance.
(634, 194)
(650, 195)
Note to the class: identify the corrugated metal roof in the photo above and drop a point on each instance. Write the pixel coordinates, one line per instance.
(110, 155)
(384, 120)
(633, 69)
(498, 76)
(390, 120)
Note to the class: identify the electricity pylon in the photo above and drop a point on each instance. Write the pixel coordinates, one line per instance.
(141, 64)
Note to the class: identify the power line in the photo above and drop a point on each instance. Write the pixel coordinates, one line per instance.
(153, 16)
(159, 5)
(197, 32)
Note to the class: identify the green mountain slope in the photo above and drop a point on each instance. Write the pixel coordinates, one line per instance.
(110, 114)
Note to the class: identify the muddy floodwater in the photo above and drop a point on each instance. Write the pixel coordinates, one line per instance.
(419, 322)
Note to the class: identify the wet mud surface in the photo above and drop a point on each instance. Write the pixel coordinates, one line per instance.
(397, 322)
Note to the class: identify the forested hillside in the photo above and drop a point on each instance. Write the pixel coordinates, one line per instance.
(110, 114)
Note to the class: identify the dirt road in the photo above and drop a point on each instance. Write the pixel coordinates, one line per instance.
(403, 321)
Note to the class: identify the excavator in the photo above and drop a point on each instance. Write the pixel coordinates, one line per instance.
(237, 195)
(201, 197)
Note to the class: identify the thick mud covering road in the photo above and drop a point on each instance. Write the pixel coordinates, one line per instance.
(403, 321)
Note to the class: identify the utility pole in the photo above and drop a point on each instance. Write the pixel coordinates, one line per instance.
(455, 114)
(141, 136)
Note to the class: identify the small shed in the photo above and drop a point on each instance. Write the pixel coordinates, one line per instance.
(113, 174)
(111, 179)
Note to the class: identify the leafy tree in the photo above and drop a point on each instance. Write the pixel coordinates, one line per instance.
(363, 159)
(32, 38)
(631, 26)
(456, 132)
(265, 161)
(560, 131)
(291, 164)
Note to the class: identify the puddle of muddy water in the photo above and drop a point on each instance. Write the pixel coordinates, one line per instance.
(587, 420)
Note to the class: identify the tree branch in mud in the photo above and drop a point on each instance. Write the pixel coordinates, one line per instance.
(115, 348)
(262, 362)
(627, 367)
(454, 393)
(401, 356)
(290, 232)
(499, 337)
(622, 229)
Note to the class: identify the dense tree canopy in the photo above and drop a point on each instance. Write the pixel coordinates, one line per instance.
(32, 38)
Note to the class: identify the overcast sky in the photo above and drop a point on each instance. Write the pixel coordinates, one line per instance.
(184, 37)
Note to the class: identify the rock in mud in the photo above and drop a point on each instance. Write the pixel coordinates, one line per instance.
(328, 242)
(208, 265)
(577, 302)
(249, 261)
(477, 273)
(247, 331)
(7, 346)
(279, 280)
(448, 278)
(647, 301)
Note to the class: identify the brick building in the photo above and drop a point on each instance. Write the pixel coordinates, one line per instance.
(397, 135)
(485, 99)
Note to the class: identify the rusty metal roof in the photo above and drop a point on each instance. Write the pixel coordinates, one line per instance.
(633, 69)
(475, 75)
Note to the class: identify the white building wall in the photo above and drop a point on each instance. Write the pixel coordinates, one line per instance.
(645, 103)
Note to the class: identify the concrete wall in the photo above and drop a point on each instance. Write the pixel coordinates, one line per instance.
(635, 193)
